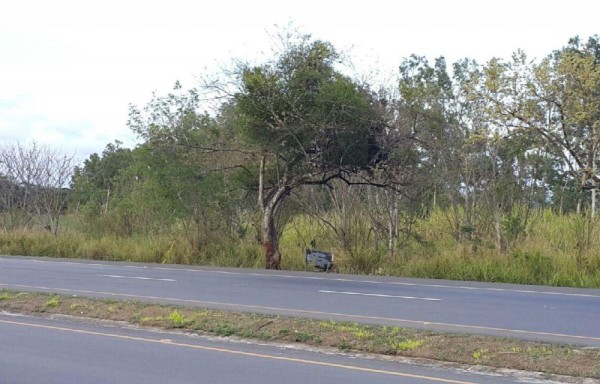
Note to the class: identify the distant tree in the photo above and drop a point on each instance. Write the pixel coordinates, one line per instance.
(189, 155)
(36, 181)
(12, 213)
(95, 181)
(558, 101)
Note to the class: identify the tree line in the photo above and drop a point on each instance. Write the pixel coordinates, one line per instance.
(487, 145)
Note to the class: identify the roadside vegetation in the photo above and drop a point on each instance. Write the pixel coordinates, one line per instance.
(467, 171)
(548, 256)
(343, 336)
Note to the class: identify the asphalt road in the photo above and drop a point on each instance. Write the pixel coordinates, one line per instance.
(530, 312)
(54, 351)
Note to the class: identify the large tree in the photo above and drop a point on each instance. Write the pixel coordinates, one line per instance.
(310, 124)
(296, 120)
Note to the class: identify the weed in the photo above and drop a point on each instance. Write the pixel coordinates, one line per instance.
(53, 302)
(177, 318)
(5, 296)
(344, 346)
(405, 345)
(150, 319)
(301, 337)
(480, 354)
(328, 324)
(363, 334)
(225, 330)
(539, 352)
(392, 331)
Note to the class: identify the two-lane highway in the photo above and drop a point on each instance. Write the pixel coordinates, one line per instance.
(529, 312)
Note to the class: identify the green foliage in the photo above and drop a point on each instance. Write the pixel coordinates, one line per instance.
(225, 330)
(404, 345)
(481, 354)
(53, 302)
(513, 226)
(299, 104)
(177, 318)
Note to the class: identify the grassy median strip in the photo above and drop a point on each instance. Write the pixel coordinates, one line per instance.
(346, 336)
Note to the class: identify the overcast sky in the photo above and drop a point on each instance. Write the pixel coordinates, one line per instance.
(70, 68)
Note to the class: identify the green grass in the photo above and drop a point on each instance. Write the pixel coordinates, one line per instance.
(177, 318)
(53, 302)
(405, 345)
(480, 354)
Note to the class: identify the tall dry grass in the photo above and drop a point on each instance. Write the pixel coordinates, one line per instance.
(559, 250)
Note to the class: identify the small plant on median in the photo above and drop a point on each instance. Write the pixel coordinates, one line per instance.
(177, 318)
(405, 345)
(344, 346)
(539, 352)
(53, 302)
(363, 334)
(77, 306)
(225, 330)
(480, 354)
(301, 337)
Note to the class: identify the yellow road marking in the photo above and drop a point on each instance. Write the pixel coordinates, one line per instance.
(311, 312)
(237, 352)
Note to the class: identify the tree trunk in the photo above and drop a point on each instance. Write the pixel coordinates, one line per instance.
(270, 237)
(594, 202)
(498, 228)
(271, 242)
(594, 171)
(261, 186)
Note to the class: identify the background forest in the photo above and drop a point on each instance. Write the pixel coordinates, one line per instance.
(464, 171)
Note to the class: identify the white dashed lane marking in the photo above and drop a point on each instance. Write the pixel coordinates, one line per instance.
(135, 277)
(381, 295)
